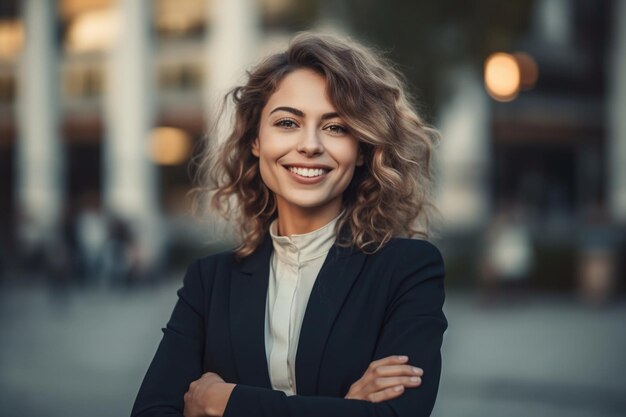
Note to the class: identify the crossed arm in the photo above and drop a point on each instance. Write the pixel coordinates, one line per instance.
(414, 326)
(383, 380)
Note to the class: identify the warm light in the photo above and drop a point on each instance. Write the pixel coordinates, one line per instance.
(529, 72)
(69, 9)
(94, 30)
(177, 17)
(502, 76)
(11, 38)
(169, 146)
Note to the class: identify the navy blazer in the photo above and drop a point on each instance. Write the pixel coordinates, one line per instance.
(361, 308)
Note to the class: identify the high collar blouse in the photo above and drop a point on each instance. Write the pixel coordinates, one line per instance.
(294, 265)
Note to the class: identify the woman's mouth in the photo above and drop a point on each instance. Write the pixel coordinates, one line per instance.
(307, 175)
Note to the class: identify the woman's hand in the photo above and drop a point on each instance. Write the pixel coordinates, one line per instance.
(207, 396)
(385, 379)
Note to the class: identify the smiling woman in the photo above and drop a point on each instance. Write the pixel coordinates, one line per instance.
(326, 308)
(306, 154)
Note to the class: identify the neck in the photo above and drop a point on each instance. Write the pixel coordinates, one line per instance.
(294, 220)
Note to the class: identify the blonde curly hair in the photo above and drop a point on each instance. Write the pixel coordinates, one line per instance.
(389, 194)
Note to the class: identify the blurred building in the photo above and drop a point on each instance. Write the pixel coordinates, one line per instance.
(548, 140)
(104, 103)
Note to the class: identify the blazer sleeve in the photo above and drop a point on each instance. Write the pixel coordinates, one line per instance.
(178, 359)
(414, 326)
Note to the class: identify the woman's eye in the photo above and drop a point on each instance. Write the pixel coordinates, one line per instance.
(337, 129)
(286, 123)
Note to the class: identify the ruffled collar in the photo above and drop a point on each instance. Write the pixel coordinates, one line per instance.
(298, 248)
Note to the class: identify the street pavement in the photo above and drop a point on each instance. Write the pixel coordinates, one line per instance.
(84, 351)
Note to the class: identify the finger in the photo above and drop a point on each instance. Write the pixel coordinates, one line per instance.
(390, 370)
(380, 384)
(398, 370)
(386, 394)
(388, 360)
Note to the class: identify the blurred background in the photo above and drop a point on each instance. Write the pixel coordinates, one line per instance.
(105, 103)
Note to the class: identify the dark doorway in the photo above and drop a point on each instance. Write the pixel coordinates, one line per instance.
(84, 169)
(540, 177)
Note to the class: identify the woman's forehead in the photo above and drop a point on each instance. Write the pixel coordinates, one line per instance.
(302, 89)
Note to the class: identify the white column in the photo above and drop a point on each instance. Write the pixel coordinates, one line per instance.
(39, 157)
(616, 143)
(130, 177)
(232, 46)
(463, 155)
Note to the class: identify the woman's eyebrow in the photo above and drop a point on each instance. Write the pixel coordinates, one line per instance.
(297, 112)
(300, 113)
(327, 116)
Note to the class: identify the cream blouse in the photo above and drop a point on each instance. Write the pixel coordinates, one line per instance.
(294, 266)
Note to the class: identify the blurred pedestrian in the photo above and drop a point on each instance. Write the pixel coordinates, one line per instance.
(121, 253)
(91, 237)
(596, 260)
(508, 256)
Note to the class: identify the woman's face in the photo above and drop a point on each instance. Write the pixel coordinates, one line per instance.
(306, 155)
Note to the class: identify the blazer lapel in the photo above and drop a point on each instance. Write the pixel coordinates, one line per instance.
(340, 269)
(248, 293)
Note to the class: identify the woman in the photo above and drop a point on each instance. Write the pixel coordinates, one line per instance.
(323, 310)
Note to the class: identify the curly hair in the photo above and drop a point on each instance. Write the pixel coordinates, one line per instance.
(389, 195)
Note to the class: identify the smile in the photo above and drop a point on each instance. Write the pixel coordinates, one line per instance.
(308, 172)
(306, 175)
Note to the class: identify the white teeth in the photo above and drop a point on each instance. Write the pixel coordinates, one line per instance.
(307, 172)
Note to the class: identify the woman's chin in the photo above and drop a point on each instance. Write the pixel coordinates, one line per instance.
(308, 202)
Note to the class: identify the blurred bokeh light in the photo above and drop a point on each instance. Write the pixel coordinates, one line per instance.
(11, 38)
(529, 71)
(93, 30)
(502, 76)
(169, 146)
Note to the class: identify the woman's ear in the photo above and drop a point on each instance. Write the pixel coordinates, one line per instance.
(255, 147)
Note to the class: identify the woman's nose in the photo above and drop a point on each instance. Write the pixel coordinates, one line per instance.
(310, 143)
